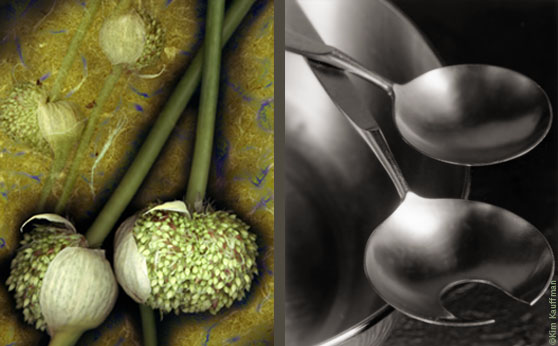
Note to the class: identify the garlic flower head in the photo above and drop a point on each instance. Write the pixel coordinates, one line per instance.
(18, 116)
(59, 283)
(134, 38)
(175, 260)
(28, 118)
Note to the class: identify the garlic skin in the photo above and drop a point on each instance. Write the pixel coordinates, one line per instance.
(193, 261)
(122, 38)
(79, 290)
(60, 284)
(135, 39)
(59, 123)
(130, 266)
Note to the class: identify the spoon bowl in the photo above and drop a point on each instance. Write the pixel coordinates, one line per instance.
(430, 245)
(471, 115)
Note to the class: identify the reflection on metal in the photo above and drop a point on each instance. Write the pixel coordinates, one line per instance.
(428, 245)
(463, 114)
(336, 190)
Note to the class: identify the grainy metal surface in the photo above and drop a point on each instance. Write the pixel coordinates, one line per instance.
(517, 324)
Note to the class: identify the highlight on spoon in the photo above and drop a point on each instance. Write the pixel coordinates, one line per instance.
(472, 115)
(428, 246)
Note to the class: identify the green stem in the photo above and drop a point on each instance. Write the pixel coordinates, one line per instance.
(71, 53)
(90, 12)
(60, 161)
(104, 94)
(158, 135)
(148, 325)
(55, 169)
(205, 130)
(65, 338)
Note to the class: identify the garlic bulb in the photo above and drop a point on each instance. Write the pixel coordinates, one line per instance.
(28, 118)
(60, 284)
(175, 260)
(135, 39)
(59, 123)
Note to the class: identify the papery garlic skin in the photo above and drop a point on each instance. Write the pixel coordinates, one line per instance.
(195, 261)
(37, 250)
(59, 283)
(60, 123)
(130, 266)
(79, 290)
(122, 38)
(135, 39)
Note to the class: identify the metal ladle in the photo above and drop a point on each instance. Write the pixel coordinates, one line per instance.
(429, 245)
(469, 115)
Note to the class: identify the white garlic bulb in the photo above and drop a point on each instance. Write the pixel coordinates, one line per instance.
(87, 300)
(122, 38)
(61, 285)
(134, 38)
(175, 260)
(59, 123)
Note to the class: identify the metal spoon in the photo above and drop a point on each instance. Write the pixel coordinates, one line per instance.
(469, 115)
(429, 245)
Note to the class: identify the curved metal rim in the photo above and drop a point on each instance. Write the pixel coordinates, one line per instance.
(360, 327)
(386, 310)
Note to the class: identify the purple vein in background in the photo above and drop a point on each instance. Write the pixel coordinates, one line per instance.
(45, 76)
(140, 93)
(19, 51)
(205, 343)
(34, 177)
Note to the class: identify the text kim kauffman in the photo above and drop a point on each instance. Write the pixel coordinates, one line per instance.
(552, 314)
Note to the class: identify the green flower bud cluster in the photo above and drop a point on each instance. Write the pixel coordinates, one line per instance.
(196, 262)
(154, 41)
(18, 116)
(28, 268)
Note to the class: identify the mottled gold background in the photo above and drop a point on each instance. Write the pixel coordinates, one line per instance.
(34, 38)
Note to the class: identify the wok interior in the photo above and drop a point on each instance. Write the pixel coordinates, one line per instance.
(336, 191)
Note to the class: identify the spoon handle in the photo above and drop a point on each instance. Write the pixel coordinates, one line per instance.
(318, 51)
(378, 143)
(343, 93)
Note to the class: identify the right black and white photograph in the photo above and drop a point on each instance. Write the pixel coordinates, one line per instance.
(421, 172)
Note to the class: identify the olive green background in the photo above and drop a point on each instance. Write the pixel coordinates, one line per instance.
(36, 35)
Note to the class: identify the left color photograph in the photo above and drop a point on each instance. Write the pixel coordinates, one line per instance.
(136, 172)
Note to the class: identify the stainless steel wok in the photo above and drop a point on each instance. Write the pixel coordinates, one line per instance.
(336, 191)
